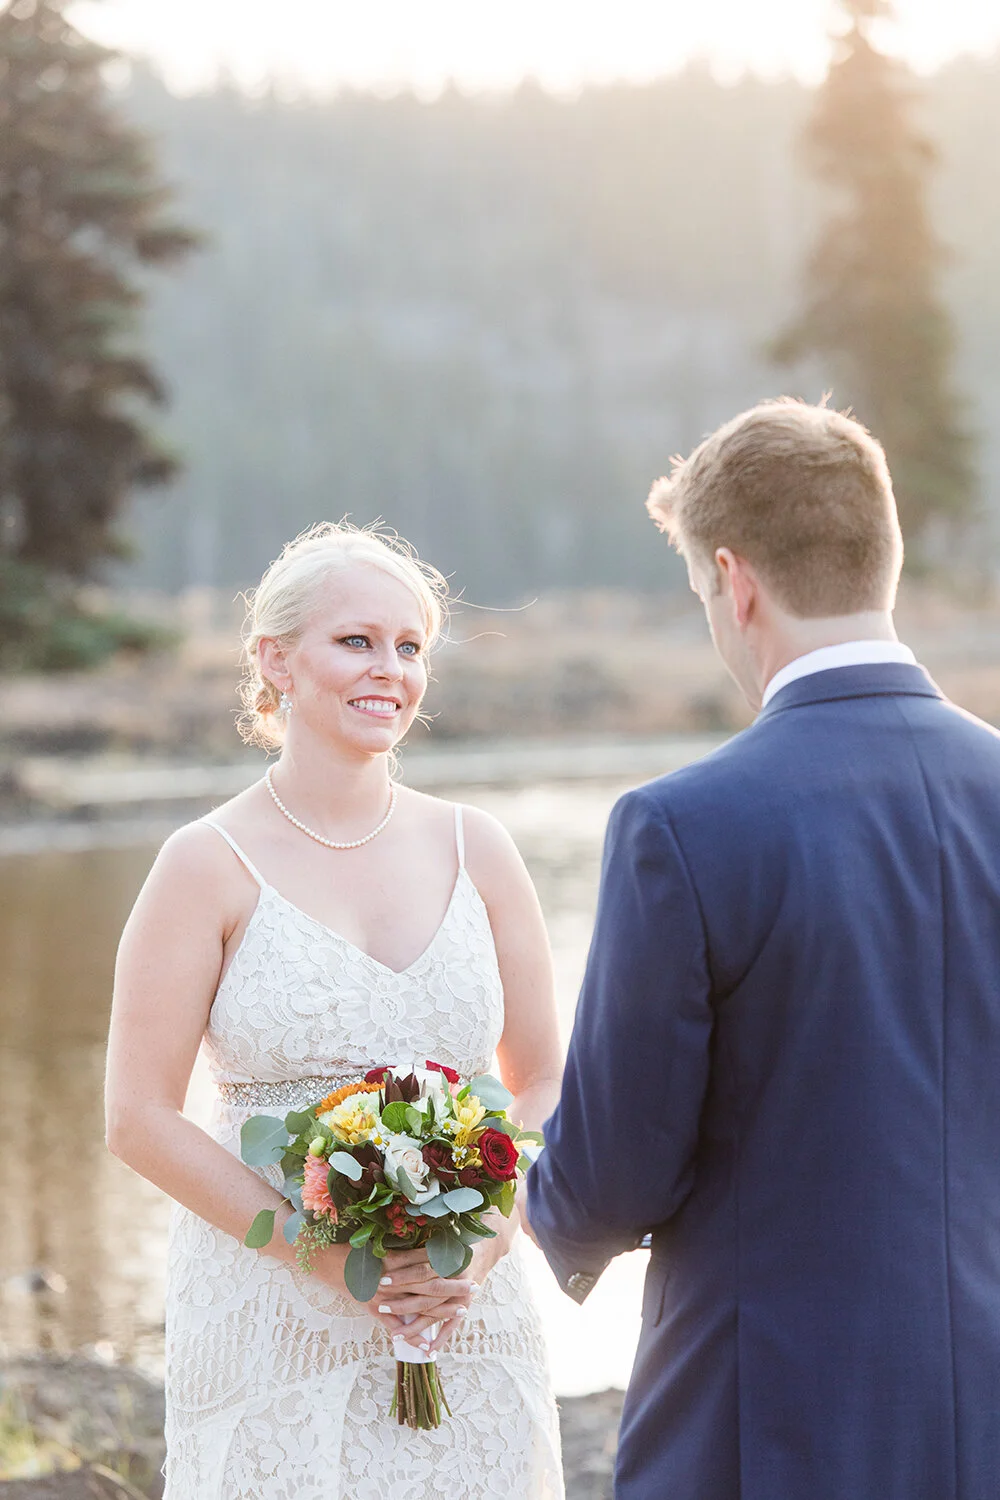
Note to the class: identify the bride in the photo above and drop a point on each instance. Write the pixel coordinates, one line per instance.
(321, 923)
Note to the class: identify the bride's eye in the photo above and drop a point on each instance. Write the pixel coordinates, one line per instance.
(410, 648)
(354, 640)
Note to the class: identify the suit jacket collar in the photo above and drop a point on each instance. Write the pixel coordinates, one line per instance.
(872, 680)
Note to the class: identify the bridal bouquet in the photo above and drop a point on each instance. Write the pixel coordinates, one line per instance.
(403, 1158)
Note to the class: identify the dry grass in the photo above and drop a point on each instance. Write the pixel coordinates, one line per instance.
(598, 662)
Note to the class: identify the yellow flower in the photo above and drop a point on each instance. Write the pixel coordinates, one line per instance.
(467, 1156)
(355, 1120)
(468, 1113)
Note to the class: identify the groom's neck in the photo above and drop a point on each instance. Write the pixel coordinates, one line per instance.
(787, 637)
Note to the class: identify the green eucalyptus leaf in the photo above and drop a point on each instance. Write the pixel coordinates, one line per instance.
(406, 1184)
(292, 1190)
(446, 1253)
(345, 1164)
(469, 1235)
(491, 1092)
(434, 1208)
(292, 1225)
(460, 1200)
(261, 1231)
(362, 1272)
(291, 1164)
(298, 1121)
(263, 1140)
(501, 1123)
(505, 1200)
(362, 1236)
(396, 1117)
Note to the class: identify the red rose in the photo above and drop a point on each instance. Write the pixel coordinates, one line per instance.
(440, 1160)
(449, 1073)
(377, 1075)
(499, 1155)
(470, 1177)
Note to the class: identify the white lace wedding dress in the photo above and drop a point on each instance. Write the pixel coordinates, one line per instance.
(277, 1387)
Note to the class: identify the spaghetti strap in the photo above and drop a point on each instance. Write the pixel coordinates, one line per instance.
(236, 850)
(459, 836)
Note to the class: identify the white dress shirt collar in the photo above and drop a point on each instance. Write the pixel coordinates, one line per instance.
(850, 654)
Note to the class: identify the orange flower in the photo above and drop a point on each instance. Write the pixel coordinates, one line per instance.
(315, 1193)
(339, 1095)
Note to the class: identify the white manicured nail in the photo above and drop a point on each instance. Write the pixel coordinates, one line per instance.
(461, 1312)
(386, 1281)
(385, 1308)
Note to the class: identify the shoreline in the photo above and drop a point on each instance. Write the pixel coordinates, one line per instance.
(70, 804)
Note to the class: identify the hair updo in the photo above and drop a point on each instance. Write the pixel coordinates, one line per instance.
(280, 607)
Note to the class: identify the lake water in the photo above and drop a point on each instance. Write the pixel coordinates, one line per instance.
(81, 1237)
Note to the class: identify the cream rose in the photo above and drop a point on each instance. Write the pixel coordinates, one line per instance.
(403, 1151)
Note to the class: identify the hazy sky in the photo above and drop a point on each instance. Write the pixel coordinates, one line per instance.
(423, 43)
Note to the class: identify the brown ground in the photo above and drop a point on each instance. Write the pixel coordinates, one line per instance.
(598, 662)
(111, 1417)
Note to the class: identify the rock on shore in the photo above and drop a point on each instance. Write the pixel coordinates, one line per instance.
(589, 1427)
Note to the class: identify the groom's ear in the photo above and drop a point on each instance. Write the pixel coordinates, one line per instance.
(738, 580)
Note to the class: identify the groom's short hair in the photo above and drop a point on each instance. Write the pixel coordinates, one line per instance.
(801, 492)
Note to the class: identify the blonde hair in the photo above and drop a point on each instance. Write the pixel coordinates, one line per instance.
(801, 492)
(280, 606)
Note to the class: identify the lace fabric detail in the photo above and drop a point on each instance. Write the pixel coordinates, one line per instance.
(278, 1387)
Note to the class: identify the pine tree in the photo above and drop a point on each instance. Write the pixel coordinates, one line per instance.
(81, 213)
(871, 310)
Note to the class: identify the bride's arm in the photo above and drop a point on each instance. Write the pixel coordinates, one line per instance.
(168, 968)
(169, 962)
(529, 1053)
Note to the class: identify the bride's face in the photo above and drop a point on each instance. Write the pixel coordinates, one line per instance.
(358, 672)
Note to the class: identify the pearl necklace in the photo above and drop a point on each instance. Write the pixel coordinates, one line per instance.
(331, 843)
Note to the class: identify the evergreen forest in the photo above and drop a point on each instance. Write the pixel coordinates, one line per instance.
(490, 321)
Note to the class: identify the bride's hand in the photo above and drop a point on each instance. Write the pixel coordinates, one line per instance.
(484, 1258)
(411, 1290)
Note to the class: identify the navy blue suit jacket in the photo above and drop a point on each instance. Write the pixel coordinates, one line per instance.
(786, 1064)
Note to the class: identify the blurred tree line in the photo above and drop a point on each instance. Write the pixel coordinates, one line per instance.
(80, 208)
(490, 321)
(872, 306)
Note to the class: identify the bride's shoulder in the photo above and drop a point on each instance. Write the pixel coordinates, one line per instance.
(204, 846)
(488, 847)
(197, 852)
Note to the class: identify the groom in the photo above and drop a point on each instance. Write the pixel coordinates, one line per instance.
(786, 1057)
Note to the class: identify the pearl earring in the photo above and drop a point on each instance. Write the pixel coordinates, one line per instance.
(285, 705)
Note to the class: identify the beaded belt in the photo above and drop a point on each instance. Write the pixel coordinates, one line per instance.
(286, 1093)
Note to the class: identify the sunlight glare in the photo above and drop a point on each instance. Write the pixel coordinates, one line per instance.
(385, 44)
